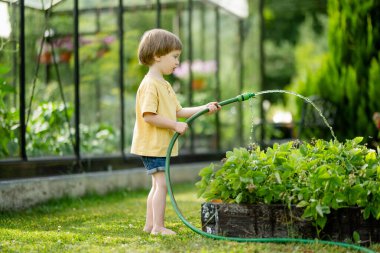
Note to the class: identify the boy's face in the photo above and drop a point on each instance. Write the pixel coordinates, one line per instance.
(167, 63)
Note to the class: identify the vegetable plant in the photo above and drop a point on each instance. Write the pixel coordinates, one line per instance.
(318, 176)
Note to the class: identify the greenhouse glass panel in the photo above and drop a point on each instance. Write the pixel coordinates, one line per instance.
(238, 8)
(50, 85)
(36, 4)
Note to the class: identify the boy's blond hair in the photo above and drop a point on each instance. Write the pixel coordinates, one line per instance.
(157, 42)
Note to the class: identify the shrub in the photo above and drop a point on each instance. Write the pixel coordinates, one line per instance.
(348, 74)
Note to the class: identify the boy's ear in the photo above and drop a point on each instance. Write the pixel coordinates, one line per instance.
(157, 58)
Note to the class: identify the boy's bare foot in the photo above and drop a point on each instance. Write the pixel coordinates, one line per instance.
(162, 231)
(147, 229)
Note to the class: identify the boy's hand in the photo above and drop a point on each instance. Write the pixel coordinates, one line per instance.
(213, 107)
(181, 127)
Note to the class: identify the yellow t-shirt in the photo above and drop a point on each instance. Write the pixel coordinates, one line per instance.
(155, 96)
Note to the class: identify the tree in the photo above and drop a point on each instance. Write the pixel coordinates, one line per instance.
(350, 72)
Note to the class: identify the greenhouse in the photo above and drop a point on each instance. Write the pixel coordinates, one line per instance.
(296, 87)
(67, 100)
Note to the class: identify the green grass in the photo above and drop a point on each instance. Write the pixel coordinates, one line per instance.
(113, 223)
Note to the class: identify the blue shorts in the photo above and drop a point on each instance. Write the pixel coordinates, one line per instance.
(153, 164)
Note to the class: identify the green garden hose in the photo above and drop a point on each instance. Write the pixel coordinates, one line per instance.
(240, 98)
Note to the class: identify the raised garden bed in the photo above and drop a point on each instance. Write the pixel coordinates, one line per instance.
(279, 221)
(323, 189)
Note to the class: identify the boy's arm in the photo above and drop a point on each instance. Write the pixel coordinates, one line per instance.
(162, 122)
(189, 111)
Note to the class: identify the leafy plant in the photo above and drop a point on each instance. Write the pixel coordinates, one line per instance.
(47, 130)
(8, 118)
(48, 133)
(317, 176)
(98, 139)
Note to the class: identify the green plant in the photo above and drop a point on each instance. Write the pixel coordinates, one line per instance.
(8, 118)
(317, 176)
(48, 133)
(98, 139)
(47, 130)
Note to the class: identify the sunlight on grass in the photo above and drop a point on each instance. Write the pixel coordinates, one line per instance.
(113, 223)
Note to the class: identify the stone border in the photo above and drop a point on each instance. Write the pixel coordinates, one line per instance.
(24, 193)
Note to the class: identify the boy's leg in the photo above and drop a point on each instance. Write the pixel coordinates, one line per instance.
(159, 204)
(149, 209)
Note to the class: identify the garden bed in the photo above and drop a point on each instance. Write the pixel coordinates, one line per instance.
(333, 190)
(278, 221)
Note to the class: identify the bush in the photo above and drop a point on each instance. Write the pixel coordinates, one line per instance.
(346, 74)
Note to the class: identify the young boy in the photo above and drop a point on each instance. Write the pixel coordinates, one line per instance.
(157, 110)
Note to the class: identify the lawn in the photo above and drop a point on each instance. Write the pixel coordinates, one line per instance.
(113, 223)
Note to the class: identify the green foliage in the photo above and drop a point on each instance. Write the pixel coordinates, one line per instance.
(318, 176)
(48, 132)
(9, 118)
(349, 73)
(98, 139)
(282, 19)
(356, 237)
(285, 24)
(373, 85)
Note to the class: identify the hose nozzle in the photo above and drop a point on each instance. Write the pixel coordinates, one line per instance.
(238, 98)
(246, 96)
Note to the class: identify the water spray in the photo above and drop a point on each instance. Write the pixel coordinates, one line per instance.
(239, 98)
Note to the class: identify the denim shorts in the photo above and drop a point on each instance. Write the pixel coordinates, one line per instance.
(153, 164)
